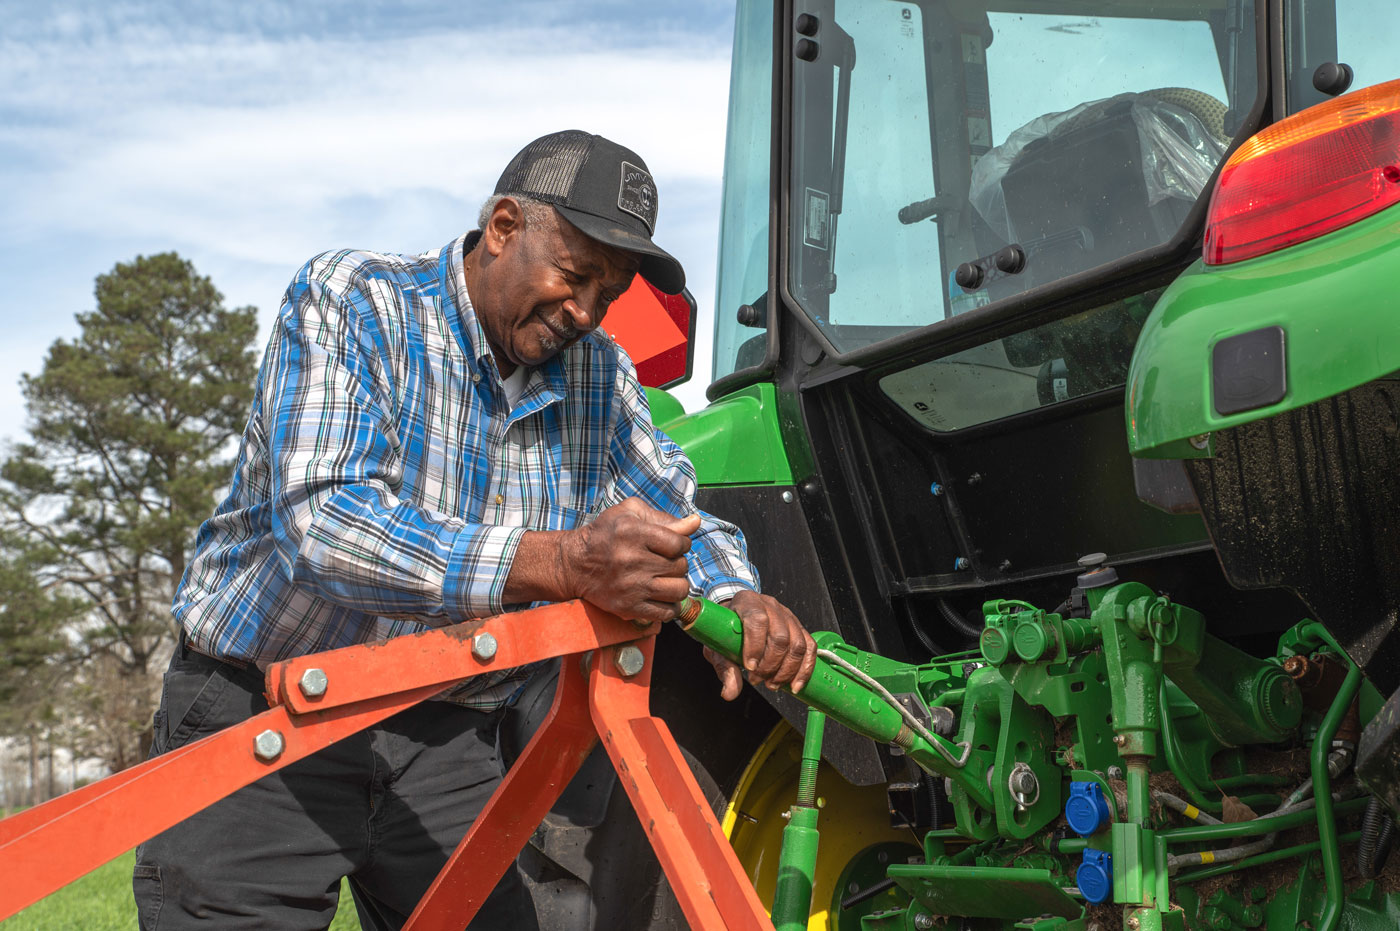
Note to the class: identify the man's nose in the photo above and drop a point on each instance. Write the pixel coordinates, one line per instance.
(581, 311)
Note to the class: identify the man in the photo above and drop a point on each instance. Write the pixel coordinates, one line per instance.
(433, 438)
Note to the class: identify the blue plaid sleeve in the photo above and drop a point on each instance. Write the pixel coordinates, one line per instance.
(648, 465)
(338, 524)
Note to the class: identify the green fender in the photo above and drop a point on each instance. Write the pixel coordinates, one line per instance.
(1335, 298)
(734, 441)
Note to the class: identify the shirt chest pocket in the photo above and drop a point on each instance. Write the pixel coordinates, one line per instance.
(556, 517)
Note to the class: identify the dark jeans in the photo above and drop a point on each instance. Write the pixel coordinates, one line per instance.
(384, 807)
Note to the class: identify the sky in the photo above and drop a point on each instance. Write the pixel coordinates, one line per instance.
(250, 136)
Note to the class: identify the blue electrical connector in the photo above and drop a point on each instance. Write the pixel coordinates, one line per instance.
(1095, 876)
(1086, 809)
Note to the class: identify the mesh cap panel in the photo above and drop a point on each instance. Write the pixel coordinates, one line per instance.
(547, 168)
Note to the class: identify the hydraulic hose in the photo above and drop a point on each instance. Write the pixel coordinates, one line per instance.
(1377, 833)
(1322, 781)
(1265, 825)
(1242, 851)
(1273, 856)
(956, 621)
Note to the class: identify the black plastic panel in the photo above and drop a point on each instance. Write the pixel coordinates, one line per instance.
(1248, 371)
(781, 547)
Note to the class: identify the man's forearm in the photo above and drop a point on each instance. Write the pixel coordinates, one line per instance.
(538, 572)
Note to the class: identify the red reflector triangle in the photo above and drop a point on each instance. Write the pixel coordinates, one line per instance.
(640, 324)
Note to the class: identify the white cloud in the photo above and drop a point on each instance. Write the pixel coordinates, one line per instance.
(248, 154)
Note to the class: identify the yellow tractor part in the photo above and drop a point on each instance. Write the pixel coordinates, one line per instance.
(854, 819)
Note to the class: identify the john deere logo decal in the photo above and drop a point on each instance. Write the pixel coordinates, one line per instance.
(637, 195)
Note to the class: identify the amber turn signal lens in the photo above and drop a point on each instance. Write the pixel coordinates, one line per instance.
(1307, 175)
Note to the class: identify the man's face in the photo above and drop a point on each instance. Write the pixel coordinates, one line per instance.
(547, 287)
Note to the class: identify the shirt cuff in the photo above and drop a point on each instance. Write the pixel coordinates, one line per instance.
(475, 582)
(722, 591)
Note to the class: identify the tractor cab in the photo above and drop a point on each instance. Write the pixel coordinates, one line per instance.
(1037, 322)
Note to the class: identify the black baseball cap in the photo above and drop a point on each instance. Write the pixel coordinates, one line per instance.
(602, 188)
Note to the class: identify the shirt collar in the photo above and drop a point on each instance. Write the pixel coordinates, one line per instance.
(545, 383)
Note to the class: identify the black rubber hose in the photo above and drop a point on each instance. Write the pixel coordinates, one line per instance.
(929, 643)
(1384, 842)
(936, 798)
(956, 621)
(1377, 835)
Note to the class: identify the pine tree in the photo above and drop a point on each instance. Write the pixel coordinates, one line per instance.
(131, 435)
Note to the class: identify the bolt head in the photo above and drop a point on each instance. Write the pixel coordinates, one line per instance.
(313, 683)
(268, 745)
(1120, 740)
(923, 922)
(788, 497)
(484, 647)
(629, 660)
(1133, 923)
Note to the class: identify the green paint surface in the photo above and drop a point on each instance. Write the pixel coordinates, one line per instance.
(736, 440)
(1334, 298)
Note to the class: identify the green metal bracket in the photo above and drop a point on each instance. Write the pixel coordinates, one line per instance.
(985, 892)
(1025, 783)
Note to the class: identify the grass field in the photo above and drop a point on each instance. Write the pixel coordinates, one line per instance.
(102, 901)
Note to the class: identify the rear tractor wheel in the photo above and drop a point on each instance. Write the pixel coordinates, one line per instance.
(857, 842)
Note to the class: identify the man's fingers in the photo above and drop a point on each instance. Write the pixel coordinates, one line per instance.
(777, 650)
(809, 662)
(668, 589)
(672, 538)
(685, 526)
(731, 682)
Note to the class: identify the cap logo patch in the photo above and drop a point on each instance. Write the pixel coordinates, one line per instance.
(637, 194)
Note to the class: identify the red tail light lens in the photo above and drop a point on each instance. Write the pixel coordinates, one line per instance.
(1307, 175)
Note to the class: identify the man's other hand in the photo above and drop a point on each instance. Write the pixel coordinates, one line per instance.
(777, 648)
(630, 561)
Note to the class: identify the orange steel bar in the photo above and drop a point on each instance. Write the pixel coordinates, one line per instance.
(520, 803)
(53, 844)
(25, 821)
(713, 891)
(445, 655)
(151, 797)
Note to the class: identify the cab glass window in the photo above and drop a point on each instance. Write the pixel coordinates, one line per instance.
(1357, 33)
(933, 135)
(743, 243)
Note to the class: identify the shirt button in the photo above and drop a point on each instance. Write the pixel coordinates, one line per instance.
(500, 499)
(476, 379)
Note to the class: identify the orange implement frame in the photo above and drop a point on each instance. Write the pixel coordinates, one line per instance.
(48, 846)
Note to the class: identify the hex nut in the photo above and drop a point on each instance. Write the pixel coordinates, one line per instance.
(629, 660)
(268, 745)
(313, 683)
(484, 647)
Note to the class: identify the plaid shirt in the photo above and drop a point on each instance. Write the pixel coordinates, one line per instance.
(382, 484)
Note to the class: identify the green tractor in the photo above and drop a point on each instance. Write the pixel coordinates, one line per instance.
(1057, 385)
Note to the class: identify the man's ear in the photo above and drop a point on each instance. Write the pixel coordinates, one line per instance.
(507, 220)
